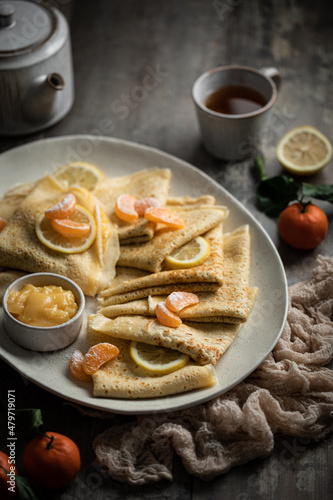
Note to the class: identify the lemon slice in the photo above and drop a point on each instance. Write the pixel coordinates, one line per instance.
(156, 359)
(54, 240)
(193, 254)
(80, 173)
(304, 150)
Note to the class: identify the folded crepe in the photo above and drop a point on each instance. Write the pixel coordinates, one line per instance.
(228, 304)
(132, 284)
(153, 182)
(150, 256)
(20, 248)
(123, 378)
(7, 277)
(13, 198)
(189, 201)
(203, 342)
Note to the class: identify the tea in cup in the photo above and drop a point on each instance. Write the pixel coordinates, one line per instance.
(233, 105)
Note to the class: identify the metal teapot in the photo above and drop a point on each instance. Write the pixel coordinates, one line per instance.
(36, 69)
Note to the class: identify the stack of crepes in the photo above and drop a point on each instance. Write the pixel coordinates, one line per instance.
(125, 269)
(21, 250)
(126, 308)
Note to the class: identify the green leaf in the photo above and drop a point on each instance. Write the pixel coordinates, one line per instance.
(318, 191)
(260, 165)
(31, 421)
(26, 489)
(275, 193)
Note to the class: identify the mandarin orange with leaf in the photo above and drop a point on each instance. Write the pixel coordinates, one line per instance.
(303, 225)
(52, 460)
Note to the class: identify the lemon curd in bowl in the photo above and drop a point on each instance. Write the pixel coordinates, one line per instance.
(43, 311)
(44, 306)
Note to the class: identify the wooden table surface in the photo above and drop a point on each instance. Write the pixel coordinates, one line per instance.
(115, 44)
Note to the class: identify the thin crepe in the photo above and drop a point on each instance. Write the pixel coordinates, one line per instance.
(122, 378)
(228, 304)
(153, 182)
(131, 284)
(20, 248)
(203, 342)
(150, 256)
(7, 277)
(10, 200)
(189, 201)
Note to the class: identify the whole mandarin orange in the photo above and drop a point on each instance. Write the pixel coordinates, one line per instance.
(51, 461)
(303, 226)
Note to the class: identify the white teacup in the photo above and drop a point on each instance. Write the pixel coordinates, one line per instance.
(231, 136)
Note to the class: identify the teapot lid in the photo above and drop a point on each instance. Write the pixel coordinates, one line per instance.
(24, 26)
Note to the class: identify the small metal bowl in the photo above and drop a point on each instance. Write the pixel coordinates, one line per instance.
(38, 338)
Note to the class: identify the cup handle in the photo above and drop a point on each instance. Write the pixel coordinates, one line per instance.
(274, 74)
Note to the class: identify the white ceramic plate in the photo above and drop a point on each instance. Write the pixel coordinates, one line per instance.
(116, 157)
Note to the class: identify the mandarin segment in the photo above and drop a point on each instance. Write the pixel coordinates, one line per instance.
(70, 228)
(63, 209)
(3, 224)
(125, 208)
(97, 355)
(142, 205)
(167, 317)
(176, 301)
(76, 367)
(56, 241)
(164, 216)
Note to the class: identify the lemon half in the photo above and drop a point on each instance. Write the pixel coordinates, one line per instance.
(304, 151)
(157, 360)
(193, 254)
(55, 241)
(79, 173)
